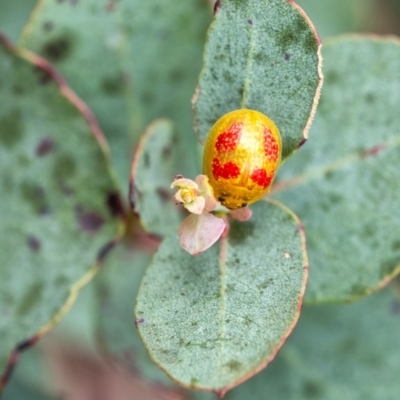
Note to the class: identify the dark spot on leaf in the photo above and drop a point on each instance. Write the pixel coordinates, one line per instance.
(57, 49)
(36, 197)
(287, 56)
(48, 26)
(65, 189)
(65, 167)
(177, 75)
(89, 222)
(102, 254)
(45, 146)
(112, 85)
(370, 98)
(33, 243)
(240, 231)
(44, 77)
(11, 129)
(166, 152)
(335, 198)
(115, 205)
(146, 160)
(233, 365)
(395, 308)
(329, 175)
(163, 194)
(139, 321)
(194, 323)
(250, 22)
(30, 299)
(312, 390)
(301, 143)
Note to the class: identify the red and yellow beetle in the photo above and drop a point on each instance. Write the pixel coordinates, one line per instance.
(241, 156)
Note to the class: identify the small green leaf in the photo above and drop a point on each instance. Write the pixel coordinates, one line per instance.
(344, 184)
(154, 167)
(132, 61)
(116, 287)
(336, 352)
(55, 185)
(262, 56)
(214, 320)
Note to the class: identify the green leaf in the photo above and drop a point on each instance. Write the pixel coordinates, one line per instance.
(214, 320)
(262, 56)
(348, 352)
(344, 184)
(154, 167)
(55, 185)
(116, 288)
(132, 61)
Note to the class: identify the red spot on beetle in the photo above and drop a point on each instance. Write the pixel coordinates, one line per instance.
(228, 140)
(271, 148)
(228, 170)
(261, 177)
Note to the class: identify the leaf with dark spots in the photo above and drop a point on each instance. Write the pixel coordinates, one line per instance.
(44, 142)
(253, 71)
(116, 288)
(205, 308)
(151, 176)
(345, 190)
(45, 146)
(95, 46)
